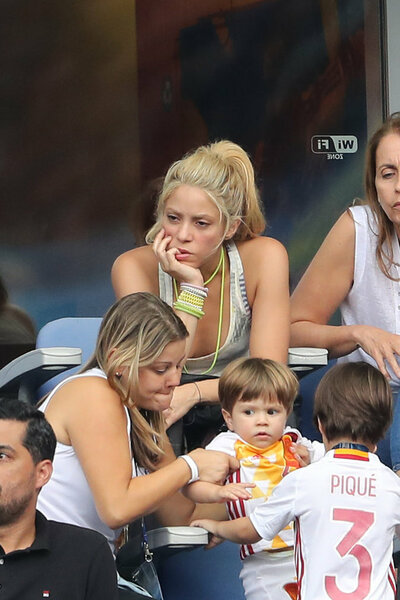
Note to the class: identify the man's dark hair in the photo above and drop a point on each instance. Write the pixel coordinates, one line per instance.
(39, 438)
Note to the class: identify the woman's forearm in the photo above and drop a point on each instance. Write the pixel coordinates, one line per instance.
(144, 494)
(186, 396)
(208, 391)
(339, 340)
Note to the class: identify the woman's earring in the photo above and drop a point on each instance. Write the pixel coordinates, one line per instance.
(118, 375)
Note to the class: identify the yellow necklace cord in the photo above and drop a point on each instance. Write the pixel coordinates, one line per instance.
(221, 258)
(221, 314)
(220, 318)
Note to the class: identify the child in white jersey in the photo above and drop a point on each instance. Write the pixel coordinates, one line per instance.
(257, 397)
(346, 507)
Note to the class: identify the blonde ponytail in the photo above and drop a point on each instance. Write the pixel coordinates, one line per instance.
(224, 171)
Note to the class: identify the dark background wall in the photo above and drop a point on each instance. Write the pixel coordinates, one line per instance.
(98, 97)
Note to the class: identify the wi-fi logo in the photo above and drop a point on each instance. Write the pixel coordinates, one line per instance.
(324, 144)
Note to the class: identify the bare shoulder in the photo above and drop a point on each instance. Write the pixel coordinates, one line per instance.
(84, 393)
(135, 258)
(337, 249)
(135, 271)
(83, 401)
(262, 249)
(343, 231)
(266, 267)
(329, 276)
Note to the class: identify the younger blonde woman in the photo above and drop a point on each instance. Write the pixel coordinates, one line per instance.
(109, 427)
(207, 259)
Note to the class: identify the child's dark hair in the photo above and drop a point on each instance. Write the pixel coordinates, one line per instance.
(247, 378)
(353, 400)
(39, 438)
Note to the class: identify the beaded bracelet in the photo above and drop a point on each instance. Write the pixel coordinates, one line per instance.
(191, 300)
(195, 289)
(189, 308)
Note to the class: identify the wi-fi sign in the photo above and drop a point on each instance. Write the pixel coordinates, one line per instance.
(326, 144)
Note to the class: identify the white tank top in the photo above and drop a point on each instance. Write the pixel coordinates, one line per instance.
(374, 299)
(67, 497)
(237, 341)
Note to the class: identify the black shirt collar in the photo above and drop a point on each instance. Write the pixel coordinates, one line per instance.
(41, 541)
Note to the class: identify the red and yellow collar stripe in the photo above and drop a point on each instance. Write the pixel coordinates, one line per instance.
(351, 454)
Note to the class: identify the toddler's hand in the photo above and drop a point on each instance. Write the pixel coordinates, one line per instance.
(301, 454)
(210, 526)
(234, 491)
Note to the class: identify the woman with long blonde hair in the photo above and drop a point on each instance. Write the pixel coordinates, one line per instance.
(206, 257)
(109, 426)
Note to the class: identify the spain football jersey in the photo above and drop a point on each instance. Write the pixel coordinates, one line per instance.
(346, 508)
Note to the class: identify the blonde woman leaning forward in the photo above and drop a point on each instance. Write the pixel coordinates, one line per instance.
(357, 269)
(109, 426)
(207, 258)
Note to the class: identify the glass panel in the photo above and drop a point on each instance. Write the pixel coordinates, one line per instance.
(100, 99)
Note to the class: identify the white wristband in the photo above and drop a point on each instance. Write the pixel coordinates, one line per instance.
(194, 470)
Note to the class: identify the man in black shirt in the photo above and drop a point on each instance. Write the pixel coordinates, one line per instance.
(40, 558)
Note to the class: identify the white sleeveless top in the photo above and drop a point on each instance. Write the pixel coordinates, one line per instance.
(237, 341)
(67, 497)
(374, 299)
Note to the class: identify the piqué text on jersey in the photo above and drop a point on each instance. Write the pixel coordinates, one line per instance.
(351, 485)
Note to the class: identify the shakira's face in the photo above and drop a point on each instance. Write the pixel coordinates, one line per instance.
(387, 177)
(158, 380)
(194, 223)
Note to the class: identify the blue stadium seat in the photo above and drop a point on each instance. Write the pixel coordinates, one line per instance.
(69, 332)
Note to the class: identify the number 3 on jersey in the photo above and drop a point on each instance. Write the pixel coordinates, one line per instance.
(349, 545)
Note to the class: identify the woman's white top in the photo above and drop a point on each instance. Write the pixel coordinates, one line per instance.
(67, 497)
(374, 299)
